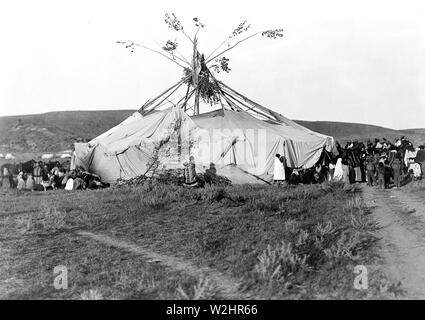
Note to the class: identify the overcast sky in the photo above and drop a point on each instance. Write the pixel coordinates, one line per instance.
(356, 61)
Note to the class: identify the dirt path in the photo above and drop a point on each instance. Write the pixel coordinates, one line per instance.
(402, 217)
(228, 287)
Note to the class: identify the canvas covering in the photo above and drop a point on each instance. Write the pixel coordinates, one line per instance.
(240, 145)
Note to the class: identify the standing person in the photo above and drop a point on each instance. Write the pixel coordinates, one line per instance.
(29, 184)
(7, 174)
(388, 173)
(345, 171)
(331, 171)
(356, 161)
(370, 171)
(376, 159)
(45, 172)
(338, 148)
(278, 170)
(37, 173)
(21, 181)
(420, 159)
(357, 174)
(381, 175)
(350, 168)
(396, 167)
(338, 172)
(283, 162)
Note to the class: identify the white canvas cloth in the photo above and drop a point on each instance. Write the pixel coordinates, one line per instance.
(223, 137)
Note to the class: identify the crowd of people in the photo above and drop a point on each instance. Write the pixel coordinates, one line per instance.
(379, 163)
(40, 176)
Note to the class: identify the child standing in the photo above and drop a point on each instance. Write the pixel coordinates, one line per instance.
(345, 172)
(381, 175)
(396, 167)
(387, 174)
(370, 171)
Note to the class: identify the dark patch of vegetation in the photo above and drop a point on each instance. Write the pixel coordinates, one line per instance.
(173, 177)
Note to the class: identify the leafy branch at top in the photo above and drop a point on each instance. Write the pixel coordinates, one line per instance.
(198, 23)
(195, 69)
(170, 46)
(222, 64)
(132, 45)
(242, 27)
(173, 22)
(273, 33)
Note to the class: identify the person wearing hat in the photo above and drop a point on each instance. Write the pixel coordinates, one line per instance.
(38, 173)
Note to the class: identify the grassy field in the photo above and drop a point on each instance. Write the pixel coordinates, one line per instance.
(275, 242)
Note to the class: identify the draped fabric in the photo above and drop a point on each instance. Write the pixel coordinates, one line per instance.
(223, 137)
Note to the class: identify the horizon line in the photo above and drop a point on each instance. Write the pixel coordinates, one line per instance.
(115, 110)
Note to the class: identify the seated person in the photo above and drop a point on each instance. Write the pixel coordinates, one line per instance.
(210, 173)
(69, 184)
(307, 176)
(190, 172)
(294, 177)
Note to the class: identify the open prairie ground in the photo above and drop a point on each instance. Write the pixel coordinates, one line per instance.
(157, 241)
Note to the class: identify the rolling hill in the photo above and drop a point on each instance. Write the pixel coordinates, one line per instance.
(56, 131)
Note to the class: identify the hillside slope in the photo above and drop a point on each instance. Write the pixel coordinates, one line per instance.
(55, 131)
(346, 131)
